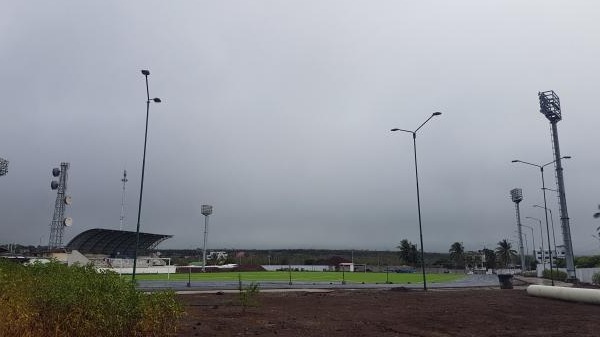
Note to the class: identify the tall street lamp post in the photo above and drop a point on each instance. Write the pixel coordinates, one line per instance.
(541, 167)
(137, 230)
(414, 136)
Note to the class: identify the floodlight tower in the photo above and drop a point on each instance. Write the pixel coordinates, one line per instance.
(122, 219)
(516, 194)
(59, 222)
(206, 211)
(3, 166)
(550, 107)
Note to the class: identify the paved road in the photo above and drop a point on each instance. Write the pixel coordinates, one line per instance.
(468, 282)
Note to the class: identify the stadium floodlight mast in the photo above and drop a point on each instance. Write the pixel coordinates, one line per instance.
(541, 167)
(550, 108)
(414, 136)
(137, 230)
(3, 166)
(516, 194)
(206, 211)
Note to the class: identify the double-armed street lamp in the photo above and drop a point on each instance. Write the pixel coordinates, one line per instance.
(532, 240)
(414, 136)
(541, 167)
(137, 231)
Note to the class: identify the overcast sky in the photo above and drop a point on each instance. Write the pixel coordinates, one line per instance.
(278, 114)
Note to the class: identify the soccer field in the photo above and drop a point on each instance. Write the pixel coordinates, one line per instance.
(306, 276)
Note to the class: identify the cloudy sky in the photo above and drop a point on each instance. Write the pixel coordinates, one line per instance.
(278, 114)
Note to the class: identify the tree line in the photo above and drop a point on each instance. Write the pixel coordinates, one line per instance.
(501, 257)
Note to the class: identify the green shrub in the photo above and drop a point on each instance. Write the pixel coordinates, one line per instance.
(557, 274)
(53, 299)
(529, 273)
(596, 278)
(248, 296)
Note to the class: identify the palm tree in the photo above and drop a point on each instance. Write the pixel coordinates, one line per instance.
(505, 253)
(457, 253)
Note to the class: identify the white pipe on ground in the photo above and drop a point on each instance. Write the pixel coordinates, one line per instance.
(567, 294)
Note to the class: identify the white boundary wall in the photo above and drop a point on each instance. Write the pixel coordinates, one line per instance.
(302, 267)
(585, 274)
(144, 270)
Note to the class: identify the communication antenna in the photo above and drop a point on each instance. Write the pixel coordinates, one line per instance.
(59, 222)
(516, 194)
(122, 220)
(3, 166)
(550, 108)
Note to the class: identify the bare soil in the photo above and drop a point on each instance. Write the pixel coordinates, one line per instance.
(397, 312)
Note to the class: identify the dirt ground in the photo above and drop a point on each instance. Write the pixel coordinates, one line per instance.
(397, 312)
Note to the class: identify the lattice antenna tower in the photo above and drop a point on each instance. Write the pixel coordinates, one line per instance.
(122, 219)
(59, 221)
(516, 194)
(550, 108)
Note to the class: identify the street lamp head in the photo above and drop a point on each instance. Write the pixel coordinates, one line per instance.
(515, 161)
(566, 157)
(156, 100)
(395, 129)
(437, 113)
(145, 72)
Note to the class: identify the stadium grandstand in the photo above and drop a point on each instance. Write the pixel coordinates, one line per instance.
(115, 249)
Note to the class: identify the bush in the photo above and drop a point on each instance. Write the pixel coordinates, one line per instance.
(56, 300)
(248, 296)
(557, 274)
(529, 273)
(596, 278)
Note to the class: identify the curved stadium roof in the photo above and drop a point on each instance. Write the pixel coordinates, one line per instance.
(114, 242)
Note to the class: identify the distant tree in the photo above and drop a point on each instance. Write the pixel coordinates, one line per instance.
(409, 254)
(505, 253)
(457, 254)
(587, 261)
(414, 254)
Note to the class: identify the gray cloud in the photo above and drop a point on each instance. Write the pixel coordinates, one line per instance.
(278, 114)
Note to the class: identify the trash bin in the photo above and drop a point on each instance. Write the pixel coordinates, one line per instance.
(505, 281)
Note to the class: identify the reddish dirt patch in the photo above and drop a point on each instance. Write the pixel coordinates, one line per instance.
(389, 313)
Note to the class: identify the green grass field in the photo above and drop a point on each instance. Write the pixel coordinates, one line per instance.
(306, 276)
